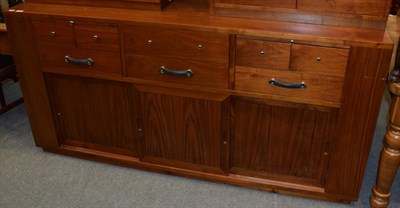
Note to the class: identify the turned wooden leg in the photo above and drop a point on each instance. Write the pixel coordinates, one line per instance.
(390, 155)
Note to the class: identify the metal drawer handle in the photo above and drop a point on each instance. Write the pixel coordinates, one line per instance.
(278, 83)
(187, 72)
(77, 61)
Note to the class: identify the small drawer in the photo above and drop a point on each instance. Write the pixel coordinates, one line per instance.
(309, 88)
(321, 60)
(193, 45)
(54, 59)
(53, 32)
(97, 36)
(177, 70)
(264, 54)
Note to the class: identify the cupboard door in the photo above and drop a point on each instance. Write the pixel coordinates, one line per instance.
(185, 131)
(281, 141)
(93, 114)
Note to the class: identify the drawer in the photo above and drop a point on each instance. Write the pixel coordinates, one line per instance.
(53, 59)
(320, 89)
(264, 3)
(193, 45)
(203, 73)
(53, 32)
(265, 54)
(322, 60)
(97, 36)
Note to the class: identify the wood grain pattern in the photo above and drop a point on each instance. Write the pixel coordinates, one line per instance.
(204, 73)
(273, 3)
(52, 59)
(280, 140)
(265, 54)
(31, 79)
(63, 32)
(199, 46)
(177, 18)
(365, 7)
(321, 60)
(365, 79)
(93, 113)
(107, 36)
(182, 129)
(321, 88)
(131, 4)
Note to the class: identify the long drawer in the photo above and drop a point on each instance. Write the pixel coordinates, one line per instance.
(174, 43)
(177, 70)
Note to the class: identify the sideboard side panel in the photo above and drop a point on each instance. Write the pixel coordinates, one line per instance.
(365, 79)
(31, 79)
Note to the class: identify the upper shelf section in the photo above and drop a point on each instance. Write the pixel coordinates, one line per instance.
(355, 13)
(128, 4)
(371, 14)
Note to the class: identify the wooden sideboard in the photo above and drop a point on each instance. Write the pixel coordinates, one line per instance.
(279, 106)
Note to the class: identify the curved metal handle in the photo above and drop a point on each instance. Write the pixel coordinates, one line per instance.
(77, 61)
(187, 72)
(278, 83)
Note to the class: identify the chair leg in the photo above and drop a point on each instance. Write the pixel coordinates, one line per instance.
(2, 97)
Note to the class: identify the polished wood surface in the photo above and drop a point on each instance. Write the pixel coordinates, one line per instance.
(321, 60)
(204, 73)
(319, 88)
(265, 132)
(107, 127)
(183, 129)
(359, 13)
(193, 45)
(314, 141)
(266, 54)
(362, 7)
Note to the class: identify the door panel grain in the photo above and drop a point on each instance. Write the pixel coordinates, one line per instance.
(183, 131)
(93, 114)
(281, 141)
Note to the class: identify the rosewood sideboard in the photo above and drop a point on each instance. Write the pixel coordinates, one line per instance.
(280, 96)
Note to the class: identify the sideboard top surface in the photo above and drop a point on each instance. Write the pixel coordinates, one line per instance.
(196, 17)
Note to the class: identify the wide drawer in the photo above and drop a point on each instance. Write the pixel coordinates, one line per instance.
(177, 70)
(175, 43)
(97, 36)
(321, 60)
(265, 54)
(54, 59)
(320, 89)
(54, 32)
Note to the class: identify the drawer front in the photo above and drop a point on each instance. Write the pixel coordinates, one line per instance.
(97, 36)
(53, 59)
(320, 89)
(269, 3)
(203, 73)
(362, 7)
(321, 60)
(193, 45)
(53, 32)
(265, 54)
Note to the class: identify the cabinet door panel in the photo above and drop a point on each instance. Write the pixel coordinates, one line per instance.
(183, 131)
(92, 113)
(282, 141)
